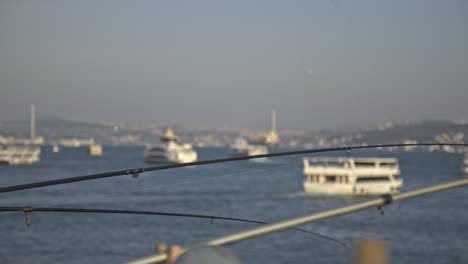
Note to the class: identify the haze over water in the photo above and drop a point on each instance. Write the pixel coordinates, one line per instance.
(320, 64)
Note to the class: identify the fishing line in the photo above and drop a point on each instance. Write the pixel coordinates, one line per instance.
(310, 218)
(137, 171)
(210, 178)
(27, 211)
(109, 197)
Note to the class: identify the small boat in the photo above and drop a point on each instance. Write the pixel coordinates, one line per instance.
(170, 150)
(352, 176)
(241, 147)
(95, 150)
(55, 148)
(18, 155)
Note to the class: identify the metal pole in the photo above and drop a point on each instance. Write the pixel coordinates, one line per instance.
(313, 218)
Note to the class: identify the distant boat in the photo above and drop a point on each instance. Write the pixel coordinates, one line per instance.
(352, 176)
(75, 142)
(55, 148)
(271, 138)
(241, 147)
(95, 150)
(170, 150)
(18, 155)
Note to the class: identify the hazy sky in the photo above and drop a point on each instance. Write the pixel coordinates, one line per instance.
(318, 63)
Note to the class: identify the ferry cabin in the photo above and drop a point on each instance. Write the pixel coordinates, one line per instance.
(18, 155)
(171, 150)
(352, 176)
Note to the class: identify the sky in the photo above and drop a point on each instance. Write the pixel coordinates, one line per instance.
(319, 64)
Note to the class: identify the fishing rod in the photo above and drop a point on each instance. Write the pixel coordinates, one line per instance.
(27, 212)
(306, 219)
(135, 172)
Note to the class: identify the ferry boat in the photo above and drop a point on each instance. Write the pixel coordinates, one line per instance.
(18, 155)
(171, 150)
(352, 176)
(241, 147)
(95, 150)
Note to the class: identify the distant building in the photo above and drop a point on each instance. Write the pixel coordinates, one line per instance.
(75, 142)
(33, 138)
(409, 141)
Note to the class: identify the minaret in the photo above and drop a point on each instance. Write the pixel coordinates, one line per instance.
(33, 122)
(272, 138)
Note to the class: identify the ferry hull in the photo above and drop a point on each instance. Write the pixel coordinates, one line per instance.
(246, 153)
(169, 157)
(159, 161)
(356, 189)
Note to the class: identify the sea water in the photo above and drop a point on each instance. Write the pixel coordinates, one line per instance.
(429, 229)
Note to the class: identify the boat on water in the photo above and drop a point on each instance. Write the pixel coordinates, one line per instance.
(352, 176)
(55, 148)
(95, 150)
(241, 147)
(18, 155)
(170, 150)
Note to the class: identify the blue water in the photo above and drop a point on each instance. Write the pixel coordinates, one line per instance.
(430, 229)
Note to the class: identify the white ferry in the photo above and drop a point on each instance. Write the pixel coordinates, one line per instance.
(171, 150)
(352, 176)
(18, 155)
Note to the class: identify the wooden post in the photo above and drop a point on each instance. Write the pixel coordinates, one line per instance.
(173, 253)
(161, 248)
(371, 251)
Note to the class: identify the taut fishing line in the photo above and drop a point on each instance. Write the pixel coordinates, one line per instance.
(135, 172)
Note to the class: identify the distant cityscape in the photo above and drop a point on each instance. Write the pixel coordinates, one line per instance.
(55, 131)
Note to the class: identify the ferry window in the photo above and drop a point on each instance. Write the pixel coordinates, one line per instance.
(364, 164)
(329, 163)
(331, 178)
(388, 164)
(157, 149)
(372, 179)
